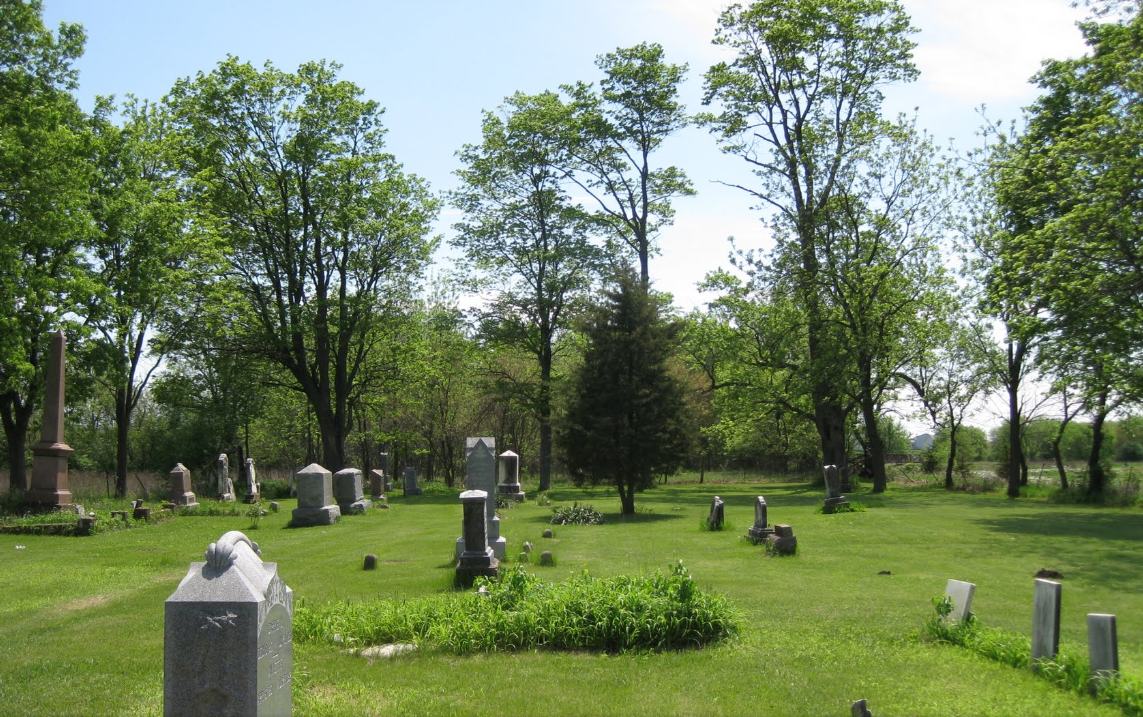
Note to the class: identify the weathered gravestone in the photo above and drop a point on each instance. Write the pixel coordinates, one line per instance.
(316, 505)
(480, 474)
(386, 474)
(377, 484)
(410, 481)
(1102, 644)
(1045, 619)
(960, 593)
(222, 475)
(476, 558)
(758, 532)
(253, 493)
(180, 485)
(49, 485)
(349, 492)
(834, 499)
(228, 636)
(782, 541)
(717, 514)
(860, 708)
(509, 485)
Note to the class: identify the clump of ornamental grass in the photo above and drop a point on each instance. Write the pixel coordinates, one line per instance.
(519, 611)
(576, 515)
(1067, 670)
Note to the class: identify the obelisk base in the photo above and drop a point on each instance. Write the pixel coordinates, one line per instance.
(49, 475)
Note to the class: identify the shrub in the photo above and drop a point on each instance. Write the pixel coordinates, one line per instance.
(273, 489)
(520, 612)
(576, 515)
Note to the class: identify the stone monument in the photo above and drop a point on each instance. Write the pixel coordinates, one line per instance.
(476, 558)
(253, 495)
(228, 636)
(758, 532)
(222, 475)
(181, 494)
(509, 486)
(1102, 644)
(377, 484)
(410, 481)
(961, 594)
(717, 514)
(316, 505)
(49, 456)
(782, 540)
(1045, 619)
(834, 499)
(480, 474)
(386, 474)
(349, 492)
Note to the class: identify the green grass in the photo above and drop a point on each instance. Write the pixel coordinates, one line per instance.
(818, 630)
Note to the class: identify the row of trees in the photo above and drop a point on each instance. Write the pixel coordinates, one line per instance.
(244, 254)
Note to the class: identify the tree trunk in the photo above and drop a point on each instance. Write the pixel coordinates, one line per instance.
(332, 439)
(16, 418)
(875, 450)
(1096, 478)
(951, 463)
(1060, 458)
(544, 409)
(122, 432)
(830, 420)
(626, 498)
(1014, 447)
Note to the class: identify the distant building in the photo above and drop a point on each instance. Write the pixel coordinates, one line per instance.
(923, 442)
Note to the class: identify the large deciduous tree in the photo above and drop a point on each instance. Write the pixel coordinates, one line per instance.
(325, 232)
(625, 419)
(799, 103)
(45, 177)
(615, 132)
(532, 242)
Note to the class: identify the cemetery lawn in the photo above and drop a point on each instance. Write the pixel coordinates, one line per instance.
(81, 620)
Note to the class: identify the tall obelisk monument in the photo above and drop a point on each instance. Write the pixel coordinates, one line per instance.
(49, 462)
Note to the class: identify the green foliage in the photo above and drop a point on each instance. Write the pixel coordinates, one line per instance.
(273, 489)
(576, 514)
(520, 612)
(847, 507)
(1067, 670)
(624, 422)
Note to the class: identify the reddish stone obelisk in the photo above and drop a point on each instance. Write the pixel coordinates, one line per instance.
(49, 462)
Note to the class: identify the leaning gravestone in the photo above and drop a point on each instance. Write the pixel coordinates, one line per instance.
(509, 485)
(1045, 619)
(717, 514)
(316, 505)
(410, 481)
(222, 474)
(181, 494)
(476, 558)
(1102, 644)
(349, 492)
(834, 499)
(480, 474)
(228, 636)
(960, 593)
(759, 530)
(377, 484)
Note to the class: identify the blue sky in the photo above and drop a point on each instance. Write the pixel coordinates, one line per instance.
(434, 65)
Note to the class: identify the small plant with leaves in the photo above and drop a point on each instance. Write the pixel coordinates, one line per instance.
(576, 515)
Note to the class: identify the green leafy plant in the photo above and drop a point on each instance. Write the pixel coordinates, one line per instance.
(576, 515)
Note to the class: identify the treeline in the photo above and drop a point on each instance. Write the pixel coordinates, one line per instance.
(240, 265)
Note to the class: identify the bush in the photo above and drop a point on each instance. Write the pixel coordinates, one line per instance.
(576, 515)
(273, 489)
(520, 612)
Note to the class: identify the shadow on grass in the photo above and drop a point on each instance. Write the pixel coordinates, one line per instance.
(1076, 524)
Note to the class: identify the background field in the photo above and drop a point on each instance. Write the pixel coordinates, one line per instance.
(81, 619)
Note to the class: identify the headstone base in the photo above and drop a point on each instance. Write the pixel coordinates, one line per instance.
(252, 498)
(832, 505)
(512, 492)
(757, 535)
(49, 475)
(472, 565)
(782, 545)
(304, 517)
(413, 491)
(186, 500)
(227, 498)
(357, 507)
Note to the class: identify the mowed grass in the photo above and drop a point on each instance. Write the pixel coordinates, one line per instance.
(81, 619)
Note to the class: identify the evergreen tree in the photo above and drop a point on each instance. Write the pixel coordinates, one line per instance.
(625, 422)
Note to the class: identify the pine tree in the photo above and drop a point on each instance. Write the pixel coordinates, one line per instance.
(625, 420)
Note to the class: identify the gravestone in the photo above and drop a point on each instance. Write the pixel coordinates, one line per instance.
(1045, 619)
(180, 484)
(476, 558)
(547, 559)
(411, 487)
(253, 495)
(377, 484)
(758, 532)
(49, 456)
(222, 475)
(316, 505)
(228, 636)
(782, 541)
(1102, 644)
(860, 708)
(717, 514)
(480, 474)
(386, 474)
(961, 594)
(509, 486)
(370, 562)
(349, 492)
(834, 499)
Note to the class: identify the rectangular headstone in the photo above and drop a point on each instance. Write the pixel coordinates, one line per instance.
(228, 636)
(410, 477)
(509, 467)
(180, 486)
(717, 513)
(961, 594)
(349, 492)
(480, 474)
(1046, 619)
(1102, 643)
(316, 505)
(475, 558)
